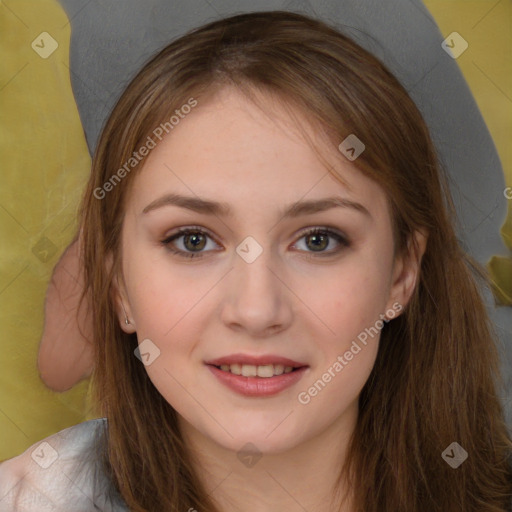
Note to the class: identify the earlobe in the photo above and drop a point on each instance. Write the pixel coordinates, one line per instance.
(407, 269)
(123, 312)
(126, 321)
(121, 302)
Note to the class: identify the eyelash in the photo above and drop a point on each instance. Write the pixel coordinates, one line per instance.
(195, 230)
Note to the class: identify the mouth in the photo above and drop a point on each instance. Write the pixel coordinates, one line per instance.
(266, 366)
(265, 371)
(257, 376)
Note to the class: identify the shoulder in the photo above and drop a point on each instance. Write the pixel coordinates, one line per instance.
(63, 471)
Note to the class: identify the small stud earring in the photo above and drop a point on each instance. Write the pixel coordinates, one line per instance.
(126, 321)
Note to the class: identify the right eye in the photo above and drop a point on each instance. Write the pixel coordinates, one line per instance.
(194, 240)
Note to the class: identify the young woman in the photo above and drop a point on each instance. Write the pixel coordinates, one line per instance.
(283, 318)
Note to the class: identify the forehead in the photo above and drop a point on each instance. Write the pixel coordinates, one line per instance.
(244, 153)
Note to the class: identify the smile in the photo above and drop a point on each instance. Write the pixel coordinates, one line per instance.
(250, 370)
(257, 376)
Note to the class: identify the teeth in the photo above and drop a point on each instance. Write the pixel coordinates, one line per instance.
(250, 370)
(278, 369)
(236, 369)
(265, 371)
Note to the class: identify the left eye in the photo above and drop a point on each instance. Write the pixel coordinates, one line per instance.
(195, 241)
(319, 239)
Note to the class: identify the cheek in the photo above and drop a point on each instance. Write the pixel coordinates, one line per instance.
(164, 298)
(351, 298)
(354, 319)
(351, 306)
(167, 309)
(351, 309)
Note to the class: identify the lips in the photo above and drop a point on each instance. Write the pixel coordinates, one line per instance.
(258, 386)
(263, 360)
(257, 376)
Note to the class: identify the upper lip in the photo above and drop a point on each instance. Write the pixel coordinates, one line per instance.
(255, 360)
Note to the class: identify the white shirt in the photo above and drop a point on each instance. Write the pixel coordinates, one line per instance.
(62, 473)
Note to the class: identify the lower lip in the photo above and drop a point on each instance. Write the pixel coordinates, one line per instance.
(258, 386)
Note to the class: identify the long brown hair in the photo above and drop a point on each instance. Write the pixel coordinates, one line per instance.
(436, 377)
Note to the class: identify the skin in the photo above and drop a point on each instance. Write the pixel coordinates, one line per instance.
(65, 354)
(283, 303)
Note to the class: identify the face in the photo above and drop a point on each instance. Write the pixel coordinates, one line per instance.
(254, 286)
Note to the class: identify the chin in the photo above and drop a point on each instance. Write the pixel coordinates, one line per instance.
(264, 440)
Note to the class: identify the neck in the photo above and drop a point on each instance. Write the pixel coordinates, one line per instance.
(304, 477)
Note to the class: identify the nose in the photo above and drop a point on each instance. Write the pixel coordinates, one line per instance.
(256, 298)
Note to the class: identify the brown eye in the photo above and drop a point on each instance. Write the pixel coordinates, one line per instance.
(317, 240)
(194, 240)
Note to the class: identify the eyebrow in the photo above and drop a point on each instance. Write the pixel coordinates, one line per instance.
(296, 209)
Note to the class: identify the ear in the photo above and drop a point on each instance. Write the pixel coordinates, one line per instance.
(121, 302)
(406, 270)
